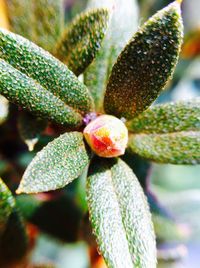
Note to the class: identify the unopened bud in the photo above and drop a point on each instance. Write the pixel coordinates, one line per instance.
(107, 136)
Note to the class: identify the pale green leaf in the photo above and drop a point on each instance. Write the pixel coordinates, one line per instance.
(120, 216)
(175, 148)
(4, 109)
(61, 161)
(169, 117)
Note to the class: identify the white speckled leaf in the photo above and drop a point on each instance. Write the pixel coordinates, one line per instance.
(56, 165)
(175, 148)
(146, 64)
(169, 117)
(120, 216)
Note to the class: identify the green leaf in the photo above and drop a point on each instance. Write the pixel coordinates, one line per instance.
(46, 70)
(175, 148)
(123, 24)
(82, 39)
(7, 204)
(40, 21)
(61, 161)
(120, 216)
(48, 22)
(146, 64)
(13, 241)
(20, 18)
(24, 91)
(30, 128)
(4, 109)
(169, 117)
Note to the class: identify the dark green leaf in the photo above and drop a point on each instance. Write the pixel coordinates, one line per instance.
(82, 39)
(170, 117)
(41, 66)
(4, 108)
(40, 21)
(175, 148)
(24, 91)
(13, 241)
(30, 128)
(146, 64)
(120, 216)
(61, 161)
(7, 204)
(123, 24)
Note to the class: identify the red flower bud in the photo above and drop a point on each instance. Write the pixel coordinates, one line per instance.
(107, 136)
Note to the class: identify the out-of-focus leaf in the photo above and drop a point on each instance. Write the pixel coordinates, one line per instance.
(120, 215)
(7, 204)
(146, 64)
(82, 40)
(4, 23)
(40, 21)
(4, 108)
(48, 22)
(170, 117)
(30, 128)
(13, 241)
(123, 24)
(46, 70)
(61, 161)
(25, 92)
(174, 148)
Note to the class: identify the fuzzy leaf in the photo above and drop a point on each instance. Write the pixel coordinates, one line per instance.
(24, 91)
(48, 22)
(61, 161)
(175, 148)
(40, 21)
(4, 109)
(169, 117)
(146, 64)
(41, 66)
(20, 17)
(120, 216)
(30, 128)
(7, 204)
(96, 76)
(82, 39)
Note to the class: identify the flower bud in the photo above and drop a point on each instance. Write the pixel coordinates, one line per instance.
(107, 136)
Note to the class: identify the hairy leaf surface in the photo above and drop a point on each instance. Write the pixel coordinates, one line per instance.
(120, 215)
(61, 161)
(146, 64)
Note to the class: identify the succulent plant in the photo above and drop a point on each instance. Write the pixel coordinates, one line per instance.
(121, 81)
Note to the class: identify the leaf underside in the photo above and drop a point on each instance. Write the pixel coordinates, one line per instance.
(4, 109)
(146, 64)
(61, 161)
(120, 215)
(82, 39)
